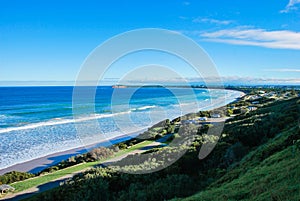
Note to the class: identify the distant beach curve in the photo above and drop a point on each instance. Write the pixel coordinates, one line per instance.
(37, 128)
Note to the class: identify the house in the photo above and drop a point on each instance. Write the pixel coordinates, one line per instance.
(254, 97)
(4, 188)
(251, 108)
(215, 116)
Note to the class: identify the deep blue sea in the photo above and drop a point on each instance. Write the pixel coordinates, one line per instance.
(38, 121)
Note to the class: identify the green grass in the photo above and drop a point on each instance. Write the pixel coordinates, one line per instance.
(36, 181)
(276, 177)
(29, 183)
(133, 148)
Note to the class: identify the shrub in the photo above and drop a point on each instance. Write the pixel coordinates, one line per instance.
(14, 176)
(101, 153)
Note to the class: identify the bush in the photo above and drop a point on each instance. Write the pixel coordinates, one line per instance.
(122, 146)
(14, 176)
(101, 153)
(235, 153)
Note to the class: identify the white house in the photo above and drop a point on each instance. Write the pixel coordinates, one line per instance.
(251, 108)
(216, 116)
(4, 188)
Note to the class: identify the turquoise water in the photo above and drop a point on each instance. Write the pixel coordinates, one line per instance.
(38, 121)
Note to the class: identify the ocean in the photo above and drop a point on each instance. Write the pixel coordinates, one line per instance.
(38, 121)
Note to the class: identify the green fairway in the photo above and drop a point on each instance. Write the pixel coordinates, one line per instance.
(36, 181)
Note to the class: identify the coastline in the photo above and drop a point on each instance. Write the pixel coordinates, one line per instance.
(38, 164)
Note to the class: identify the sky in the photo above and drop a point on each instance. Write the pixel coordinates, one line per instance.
(250, 41)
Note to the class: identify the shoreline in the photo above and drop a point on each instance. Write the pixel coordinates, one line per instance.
(41, 163)
(38, 164)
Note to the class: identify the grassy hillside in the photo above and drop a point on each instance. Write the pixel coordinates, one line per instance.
(257, 158)
(272, 172)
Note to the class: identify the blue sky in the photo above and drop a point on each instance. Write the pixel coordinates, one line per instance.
(249, 41)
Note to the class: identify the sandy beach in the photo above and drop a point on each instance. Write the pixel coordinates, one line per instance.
(36, 165)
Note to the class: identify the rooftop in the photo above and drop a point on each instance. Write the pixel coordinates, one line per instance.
(5, 187)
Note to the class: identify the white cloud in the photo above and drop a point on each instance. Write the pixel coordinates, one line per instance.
(259, 80)
(221, 80)
(283, 70)
(264, 80)
(282, 39)
(290, 6)
(212, 21)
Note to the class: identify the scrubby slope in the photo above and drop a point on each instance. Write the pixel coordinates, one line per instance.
(271, 172)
